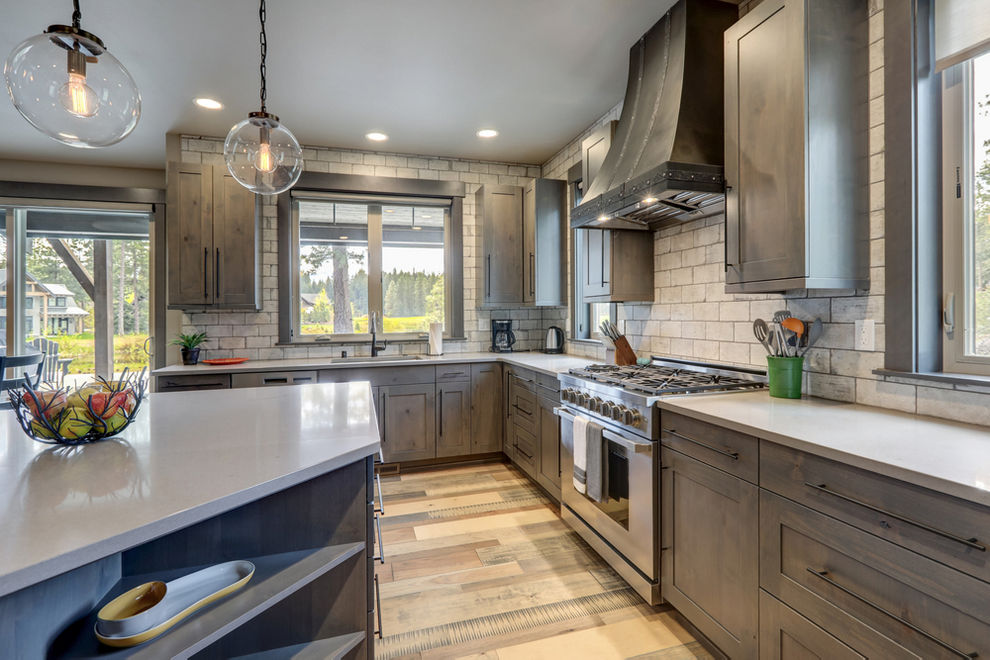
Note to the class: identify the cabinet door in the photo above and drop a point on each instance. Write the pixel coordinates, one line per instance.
(236, 234)
(529, 242)
(189, 235)
(454, 419)
(502, 238)
(548, 463)
(596, 262)
(525, 447)
(486, 408)
(546, 200)
(786, 635)
(408, 422)
(764, 145)
(711, 559)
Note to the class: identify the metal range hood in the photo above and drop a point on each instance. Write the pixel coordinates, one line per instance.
(665, 160)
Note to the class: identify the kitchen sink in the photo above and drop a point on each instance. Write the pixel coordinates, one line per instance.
(379, 358)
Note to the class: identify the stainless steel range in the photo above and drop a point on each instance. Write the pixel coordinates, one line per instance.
(625, 528)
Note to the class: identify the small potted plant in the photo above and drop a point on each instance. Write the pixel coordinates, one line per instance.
(190, 345)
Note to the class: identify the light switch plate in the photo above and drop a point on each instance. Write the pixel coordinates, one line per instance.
(866, 336)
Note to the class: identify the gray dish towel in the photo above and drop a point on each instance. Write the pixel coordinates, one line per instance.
(596, 464)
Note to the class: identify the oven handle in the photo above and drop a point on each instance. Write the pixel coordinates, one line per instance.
(635, 446)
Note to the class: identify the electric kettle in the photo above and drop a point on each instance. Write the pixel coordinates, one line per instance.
(555, 340)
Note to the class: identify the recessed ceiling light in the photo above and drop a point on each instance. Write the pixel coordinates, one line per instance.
(208, 103)
(417, 228)
(390, 210)
(426, 216)
(376, 136)
(487, 133)
(344, 238)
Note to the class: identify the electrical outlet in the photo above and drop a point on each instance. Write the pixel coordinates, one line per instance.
(866, 336)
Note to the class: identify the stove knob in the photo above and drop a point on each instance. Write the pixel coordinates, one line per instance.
(607, 409)
(582, 399)
(595, 404)
(567, 394)
(631, 418)
(619, 413)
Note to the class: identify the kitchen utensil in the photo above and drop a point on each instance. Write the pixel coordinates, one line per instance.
(815, 331)
(762, 333)
(780, 340)
(222, 361)
(780, 315)
(797, 327)
(554, 341)
(152, 608)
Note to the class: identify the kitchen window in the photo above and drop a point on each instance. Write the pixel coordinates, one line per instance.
(966, 216)
(357, 257)
(587, 316)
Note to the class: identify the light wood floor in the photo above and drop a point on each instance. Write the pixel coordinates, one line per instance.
(479, 565)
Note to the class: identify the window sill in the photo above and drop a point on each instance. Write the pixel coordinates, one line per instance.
(923, 377)
(311, 343)
(590, 342)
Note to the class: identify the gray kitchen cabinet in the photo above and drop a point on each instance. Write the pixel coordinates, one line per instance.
(548, 456)
(453, 418)
(408, 422)
(213, 235)
(523, 244)
(786, 635)
(797, 197)
(486, 408)
(710, 558)
(499, 212)
(545, 243)
(617, 265)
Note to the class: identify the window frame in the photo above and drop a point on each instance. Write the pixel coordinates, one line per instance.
(352, 186)
(580, 310)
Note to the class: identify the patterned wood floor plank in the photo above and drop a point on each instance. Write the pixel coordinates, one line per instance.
(479, 564)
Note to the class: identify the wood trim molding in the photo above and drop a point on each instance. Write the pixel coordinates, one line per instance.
(356, 183)
(32, 190)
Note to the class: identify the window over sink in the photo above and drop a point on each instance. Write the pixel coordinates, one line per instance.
(361, 256)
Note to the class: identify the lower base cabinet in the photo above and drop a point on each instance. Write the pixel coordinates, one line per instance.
(710, 556)
(453, 419)
(786, 635)
(408, 422)
(486, 408)
(548, 460)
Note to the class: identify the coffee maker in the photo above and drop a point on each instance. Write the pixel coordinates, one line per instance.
(502, 336)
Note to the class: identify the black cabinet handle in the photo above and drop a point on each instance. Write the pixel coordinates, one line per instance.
(216, 279)
(823, 575)
(488, 278)
(206, 256)
(532, 274)
(381, 500)
(384, 416)
(970, 542)
(276, 381)
(729, 454)
(380, 557)
(440, 409)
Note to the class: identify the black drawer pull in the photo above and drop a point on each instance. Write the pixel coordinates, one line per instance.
(970, 542)
(381, 500)
(729, 454)
(824, 576)
(276, 381)
(523, 452)
(523, 410)
(378, 607)
(380, 557)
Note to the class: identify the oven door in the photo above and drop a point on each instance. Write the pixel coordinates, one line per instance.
(628, 520)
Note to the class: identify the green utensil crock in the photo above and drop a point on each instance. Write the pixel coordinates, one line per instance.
(784, 374)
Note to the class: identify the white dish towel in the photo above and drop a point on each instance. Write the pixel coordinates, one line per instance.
(580, 435)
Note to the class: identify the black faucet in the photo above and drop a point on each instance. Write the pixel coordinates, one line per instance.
(372, 322)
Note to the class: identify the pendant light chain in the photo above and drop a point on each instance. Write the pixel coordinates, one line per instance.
(264, 54)
(76, 14)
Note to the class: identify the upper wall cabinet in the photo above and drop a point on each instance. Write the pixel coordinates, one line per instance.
(593, 151)
(617, 265)
(213, 237)
(523, 244)
(796, 147)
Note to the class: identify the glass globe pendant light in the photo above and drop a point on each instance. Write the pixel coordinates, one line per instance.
(69, 87)
(262, 154)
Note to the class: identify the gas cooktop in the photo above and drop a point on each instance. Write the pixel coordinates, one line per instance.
(666, 376)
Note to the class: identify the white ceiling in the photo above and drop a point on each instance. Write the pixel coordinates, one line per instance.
(429, 73)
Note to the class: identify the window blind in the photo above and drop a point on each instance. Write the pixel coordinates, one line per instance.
(962, 31)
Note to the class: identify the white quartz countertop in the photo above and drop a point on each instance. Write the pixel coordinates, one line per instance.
(187, 457)
(551, 364)
(947, 457)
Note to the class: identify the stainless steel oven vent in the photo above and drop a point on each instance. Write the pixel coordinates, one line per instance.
(665, 161)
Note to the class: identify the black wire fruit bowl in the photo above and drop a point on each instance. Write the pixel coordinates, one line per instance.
(74, 416)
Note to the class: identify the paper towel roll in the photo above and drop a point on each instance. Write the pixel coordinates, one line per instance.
(436, 339)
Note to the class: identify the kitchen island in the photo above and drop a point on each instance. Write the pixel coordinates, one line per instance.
(278, 476)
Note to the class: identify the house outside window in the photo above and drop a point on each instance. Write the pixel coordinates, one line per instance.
(60, 301)
(29, 302)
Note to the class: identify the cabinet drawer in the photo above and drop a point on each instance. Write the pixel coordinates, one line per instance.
(272, 378)
(852, 583)
(522, 404)
(549, 385)
(450, 372)
(193, 382)
(786, 635)
(946, 529)
(524, 444)
(379, 376)
(734, 452)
